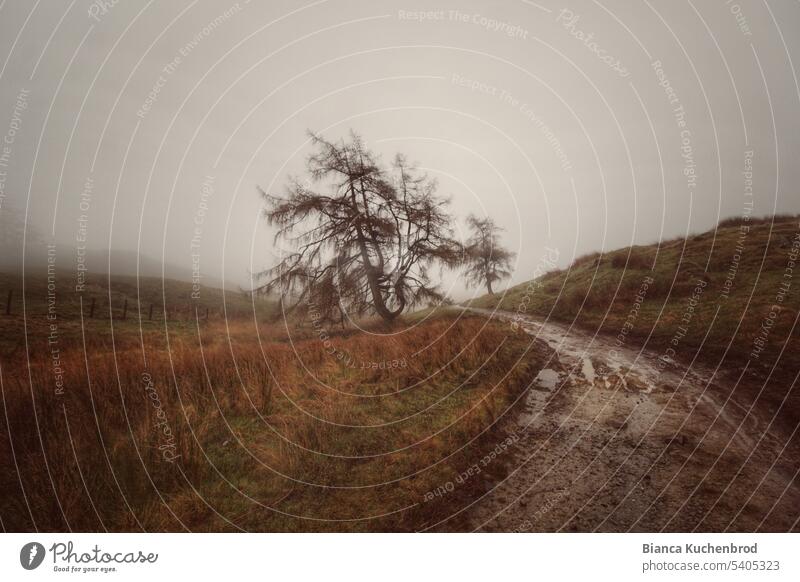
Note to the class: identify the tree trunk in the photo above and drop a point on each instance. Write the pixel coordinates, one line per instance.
(373, 272)
(489, 286)
(372, 279)
(379, 302)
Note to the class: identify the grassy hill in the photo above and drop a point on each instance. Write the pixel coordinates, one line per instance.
(235, 422)
(242, 424)
(730, 294)
(172, 301)
(259, 433)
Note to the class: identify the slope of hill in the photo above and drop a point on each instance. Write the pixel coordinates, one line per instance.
(226, 430)
(729, 295)
(51, 298)
(23, 243)
(174, 294)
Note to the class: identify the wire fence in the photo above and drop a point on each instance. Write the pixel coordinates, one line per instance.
(95, 308)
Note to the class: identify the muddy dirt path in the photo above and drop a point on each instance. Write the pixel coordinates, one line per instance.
(614, 440)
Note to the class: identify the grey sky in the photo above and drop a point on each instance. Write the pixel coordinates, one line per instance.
(550, 117)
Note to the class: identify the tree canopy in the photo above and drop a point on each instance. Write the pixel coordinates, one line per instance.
(363, 237)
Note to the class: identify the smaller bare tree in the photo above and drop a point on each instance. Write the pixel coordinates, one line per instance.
(487, 261)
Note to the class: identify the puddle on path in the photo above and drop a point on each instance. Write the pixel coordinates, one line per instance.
(547, 378)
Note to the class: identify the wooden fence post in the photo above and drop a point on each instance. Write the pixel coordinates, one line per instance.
(206, 313)
(150, 317)
(91, 309)
(8, 302)
(125, 309)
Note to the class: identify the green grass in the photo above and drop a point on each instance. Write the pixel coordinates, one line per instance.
(173, 306)
(598, 291)
(110, 296)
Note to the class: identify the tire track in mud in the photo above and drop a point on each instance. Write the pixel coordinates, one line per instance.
(613, 441)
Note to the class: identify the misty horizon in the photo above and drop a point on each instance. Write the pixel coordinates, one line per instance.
(136, 138)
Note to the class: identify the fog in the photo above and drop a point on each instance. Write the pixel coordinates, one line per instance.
(147, 128)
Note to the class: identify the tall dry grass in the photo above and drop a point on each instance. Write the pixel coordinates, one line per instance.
(215, 430)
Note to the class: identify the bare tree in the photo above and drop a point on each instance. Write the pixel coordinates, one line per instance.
(368, 244)
(487, 261)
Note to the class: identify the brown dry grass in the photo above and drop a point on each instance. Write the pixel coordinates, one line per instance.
(275, 435)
